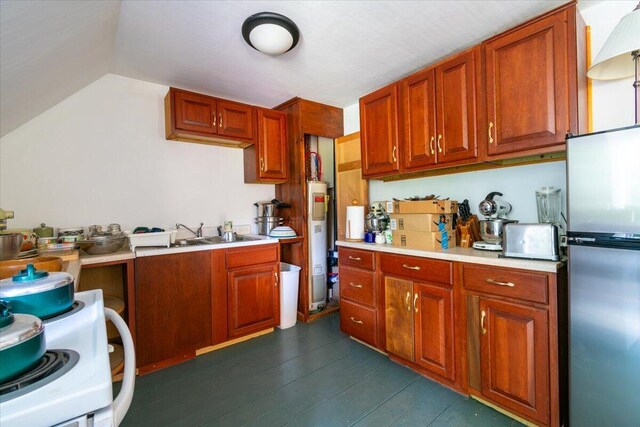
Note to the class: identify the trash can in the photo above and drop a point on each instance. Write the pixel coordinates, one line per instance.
(289, 279)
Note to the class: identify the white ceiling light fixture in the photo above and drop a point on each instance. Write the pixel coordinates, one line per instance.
(270, 33)
(620, 54)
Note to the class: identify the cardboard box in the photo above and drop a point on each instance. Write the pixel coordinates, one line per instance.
(423, 207)
(420, 222)
(424, 239)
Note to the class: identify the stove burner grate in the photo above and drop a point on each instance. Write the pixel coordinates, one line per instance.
(52, 365)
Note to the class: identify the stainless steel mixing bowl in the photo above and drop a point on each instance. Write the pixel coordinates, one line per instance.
(491, 229)
(10, 245)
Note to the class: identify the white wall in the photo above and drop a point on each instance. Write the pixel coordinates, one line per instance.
(100, 156)
(612, 107)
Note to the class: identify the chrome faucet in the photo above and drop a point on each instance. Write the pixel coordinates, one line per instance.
(197, 233)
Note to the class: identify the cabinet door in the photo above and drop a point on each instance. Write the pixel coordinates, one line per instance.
(527, 87)
(252, 299)
(195, 112)
(433, 306)
(456, 108)
(235, 120)
(399, 317)
(272, 144)
(379, 131)
(419, 118)
(514, 349)
(173, 306)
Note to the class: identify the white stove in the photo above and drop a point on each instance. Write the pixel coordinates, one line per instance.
(82, 395)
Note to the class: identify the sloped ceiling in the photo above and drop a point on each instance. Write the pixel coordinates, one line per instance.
(50, 49)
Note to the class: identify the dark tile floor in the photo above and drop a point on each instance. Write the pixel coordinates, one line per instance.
(308, 375)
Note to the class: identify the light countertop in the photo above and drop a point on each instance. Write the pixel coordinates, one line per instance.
(122, 255)
(459, 254)
(262, 240)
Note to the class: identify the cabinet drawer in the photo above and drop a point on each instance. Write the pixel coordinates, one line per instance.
(358, 321)
(505, 282)
(245, 256)
(422, 269)
(357, 285)
(356, 258)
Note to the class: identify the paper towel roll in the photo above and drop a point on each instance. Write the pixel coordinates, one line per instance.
(355, 223)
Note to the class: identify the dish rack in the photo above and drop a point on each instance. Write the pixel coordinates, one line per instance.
(160, 238)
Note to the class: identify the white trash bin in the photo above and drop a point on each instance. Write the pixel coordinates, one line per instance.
(289, 280)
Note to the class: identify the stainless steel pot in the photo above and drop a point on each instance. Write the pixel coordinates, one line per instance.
(491, 229)
(266, 224)
(105, 243)
(38, 293)
(266, 209)
(10, 245)
(22, 342)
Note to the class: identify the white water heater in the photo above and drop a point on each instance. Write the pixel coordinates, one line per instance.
(317, 233)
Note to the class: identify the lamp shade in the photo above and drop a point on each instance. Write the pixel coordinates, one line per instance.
(270, 33)
(615, 60)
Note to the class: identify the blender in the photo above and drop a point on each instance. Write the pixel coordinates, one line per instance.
(549, 202)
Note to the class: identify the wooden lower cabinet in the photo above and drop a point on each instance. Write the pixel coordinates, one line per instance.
(253, 299)
(514, 349)
(172, 295)
(434, 337)
(419, 322)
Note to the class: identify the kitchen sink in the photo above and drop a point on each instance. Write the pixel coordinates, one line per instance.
(211, 240)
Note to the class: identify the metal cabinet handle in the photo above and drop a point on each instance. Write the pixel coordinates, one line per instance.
(484, 314)
(355, 258)
(220, 120)
(493, 282)
(415, 300)
(261, 164)
(490, 137)
(354, 320)
(433, 138)
(356, 285)
(411, 267)
(277, 278)
(214, 119)
(406, 301)
(393, 154)
(439, 147)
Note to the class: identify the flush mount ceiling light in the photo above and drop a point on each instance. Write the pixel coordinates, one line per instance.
(270, 33)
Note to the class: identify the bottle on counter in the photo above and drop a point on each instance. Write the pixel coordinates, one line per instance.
(388, 234)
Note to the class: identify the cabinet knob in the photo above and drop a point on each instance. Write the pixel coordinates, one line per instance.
(214, 118)
(439, 146)
(356, 285)
(220, 119)
(494, 282)
(406, 301)
(261, 164)
(354, 320)
(275, 274)
(415, 302)
(482, 316)
(490, 137)
(411, 267)
(355, 258)
(393, 153)
(433, 138)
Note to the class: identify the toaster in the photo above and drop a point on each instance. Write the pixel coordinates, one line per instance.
(531, 241)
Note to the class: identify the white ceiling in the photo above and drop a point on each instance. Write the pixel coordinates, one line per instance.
(50, 49)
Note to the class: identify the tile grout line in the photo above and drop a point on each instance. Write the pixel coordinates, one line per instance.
(444, 410)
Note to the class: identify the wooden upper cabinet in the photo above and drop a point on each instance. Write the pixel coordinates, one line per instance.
(266, 161)
(456, 85)
(235, 120)
(514, 349)
(433, 306)
(379, 132)
(528, 80)
(195, 112)
(399, 317)
(419, 119)
(253, 299)
(194, 117)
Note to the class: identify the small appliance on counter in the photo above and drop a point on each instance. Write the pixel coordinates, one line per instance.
(377, 219)
(491, 228)
(531, 241)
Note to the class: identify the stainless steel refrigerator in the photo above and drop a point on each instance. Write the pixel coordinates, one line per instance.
(603, 203)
